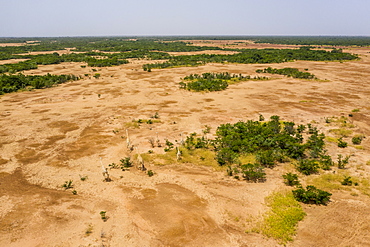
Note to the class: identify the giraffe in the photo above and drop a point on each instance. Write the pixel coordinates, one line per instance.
(140, 161)
(104, 171)
(128, 142)
(182, 139)
(178, 154)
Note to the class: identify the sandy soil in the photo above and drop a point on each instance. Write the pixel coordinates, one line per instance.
(58, 134)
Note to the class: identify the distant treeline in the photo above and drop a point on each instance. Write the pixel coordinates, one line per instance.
(255, 56)
(128, 42)
(316, 40)
(104, 44)
(13, 83)
(112, 51)
(93, 59)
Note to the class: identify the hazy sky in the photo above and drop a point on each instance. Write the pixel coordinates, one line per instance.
(35, 18)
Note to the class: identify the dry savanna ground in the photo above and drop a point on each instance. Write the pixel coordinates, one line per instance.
(64, 133)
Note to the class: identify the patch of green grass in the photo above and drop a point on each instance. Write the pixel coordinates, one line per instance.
(248, 158)
(331, 139)
(330, 181)
(356, 110)
(341, 132)
(281, 221)
(199, 156)
(133, 125)
(364, 186)
(359, 147)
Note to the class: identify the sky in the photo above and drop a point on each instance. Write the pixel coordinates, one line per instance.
(60, 18)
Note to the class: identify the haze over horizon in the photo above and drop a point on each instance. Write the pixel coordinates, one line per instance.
(51, 18)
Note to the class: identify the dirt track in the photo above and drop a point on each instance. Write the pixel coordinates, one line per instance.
(58, 134)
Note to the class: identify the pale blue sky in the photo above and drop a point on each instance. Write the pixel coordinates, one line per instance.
(35, 18)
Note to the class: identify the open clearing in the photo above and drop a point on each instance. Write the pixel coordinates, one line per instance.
(58, 134)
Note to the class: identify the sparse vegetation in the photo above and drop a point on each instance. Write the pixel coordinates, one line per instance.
(68, 184)
(103, 215)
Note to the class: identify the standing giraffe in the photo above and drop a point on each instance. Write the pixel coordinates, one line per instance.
(178, 154)
(182, 139)
(104, 171)
(128, 139)
(140, 161)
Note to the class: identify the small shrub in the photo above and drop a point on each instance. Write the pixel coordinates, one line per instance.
(156, 115)
(341, 143)
(103, 215)
(356, 140)
(74, 192)
(169, 146)
(307, 167)
(312, 195)
(150, 173)
(68, 184)
(347, 181)
(342, 162)
(326, 162)
(126, 163)
(89, 230)
(291, 179)
(83, 178)
(253, 172)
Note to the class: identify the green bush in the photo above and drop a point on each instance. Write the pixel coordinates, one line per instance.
(291, 179)
(311, 195)
(253, 172)
(347, 181)
(341, 143)
(307, 166)
(356, 140)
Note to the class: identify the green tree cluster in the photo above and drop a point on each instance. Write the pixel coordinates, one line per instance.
(12, 83)
(290, 72)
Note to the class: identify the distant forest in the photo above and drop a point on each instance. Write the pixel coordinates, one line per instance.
(114, 51)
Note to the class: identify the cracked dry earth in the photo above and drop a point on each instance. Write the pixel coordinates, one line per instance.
(58, 134)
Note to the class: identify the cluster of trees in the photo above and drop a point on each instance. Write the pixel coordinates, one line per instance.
(271, 142)
(55, 58)
(290, 72)
(12, 83)
(213, 81)
(254, 56)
